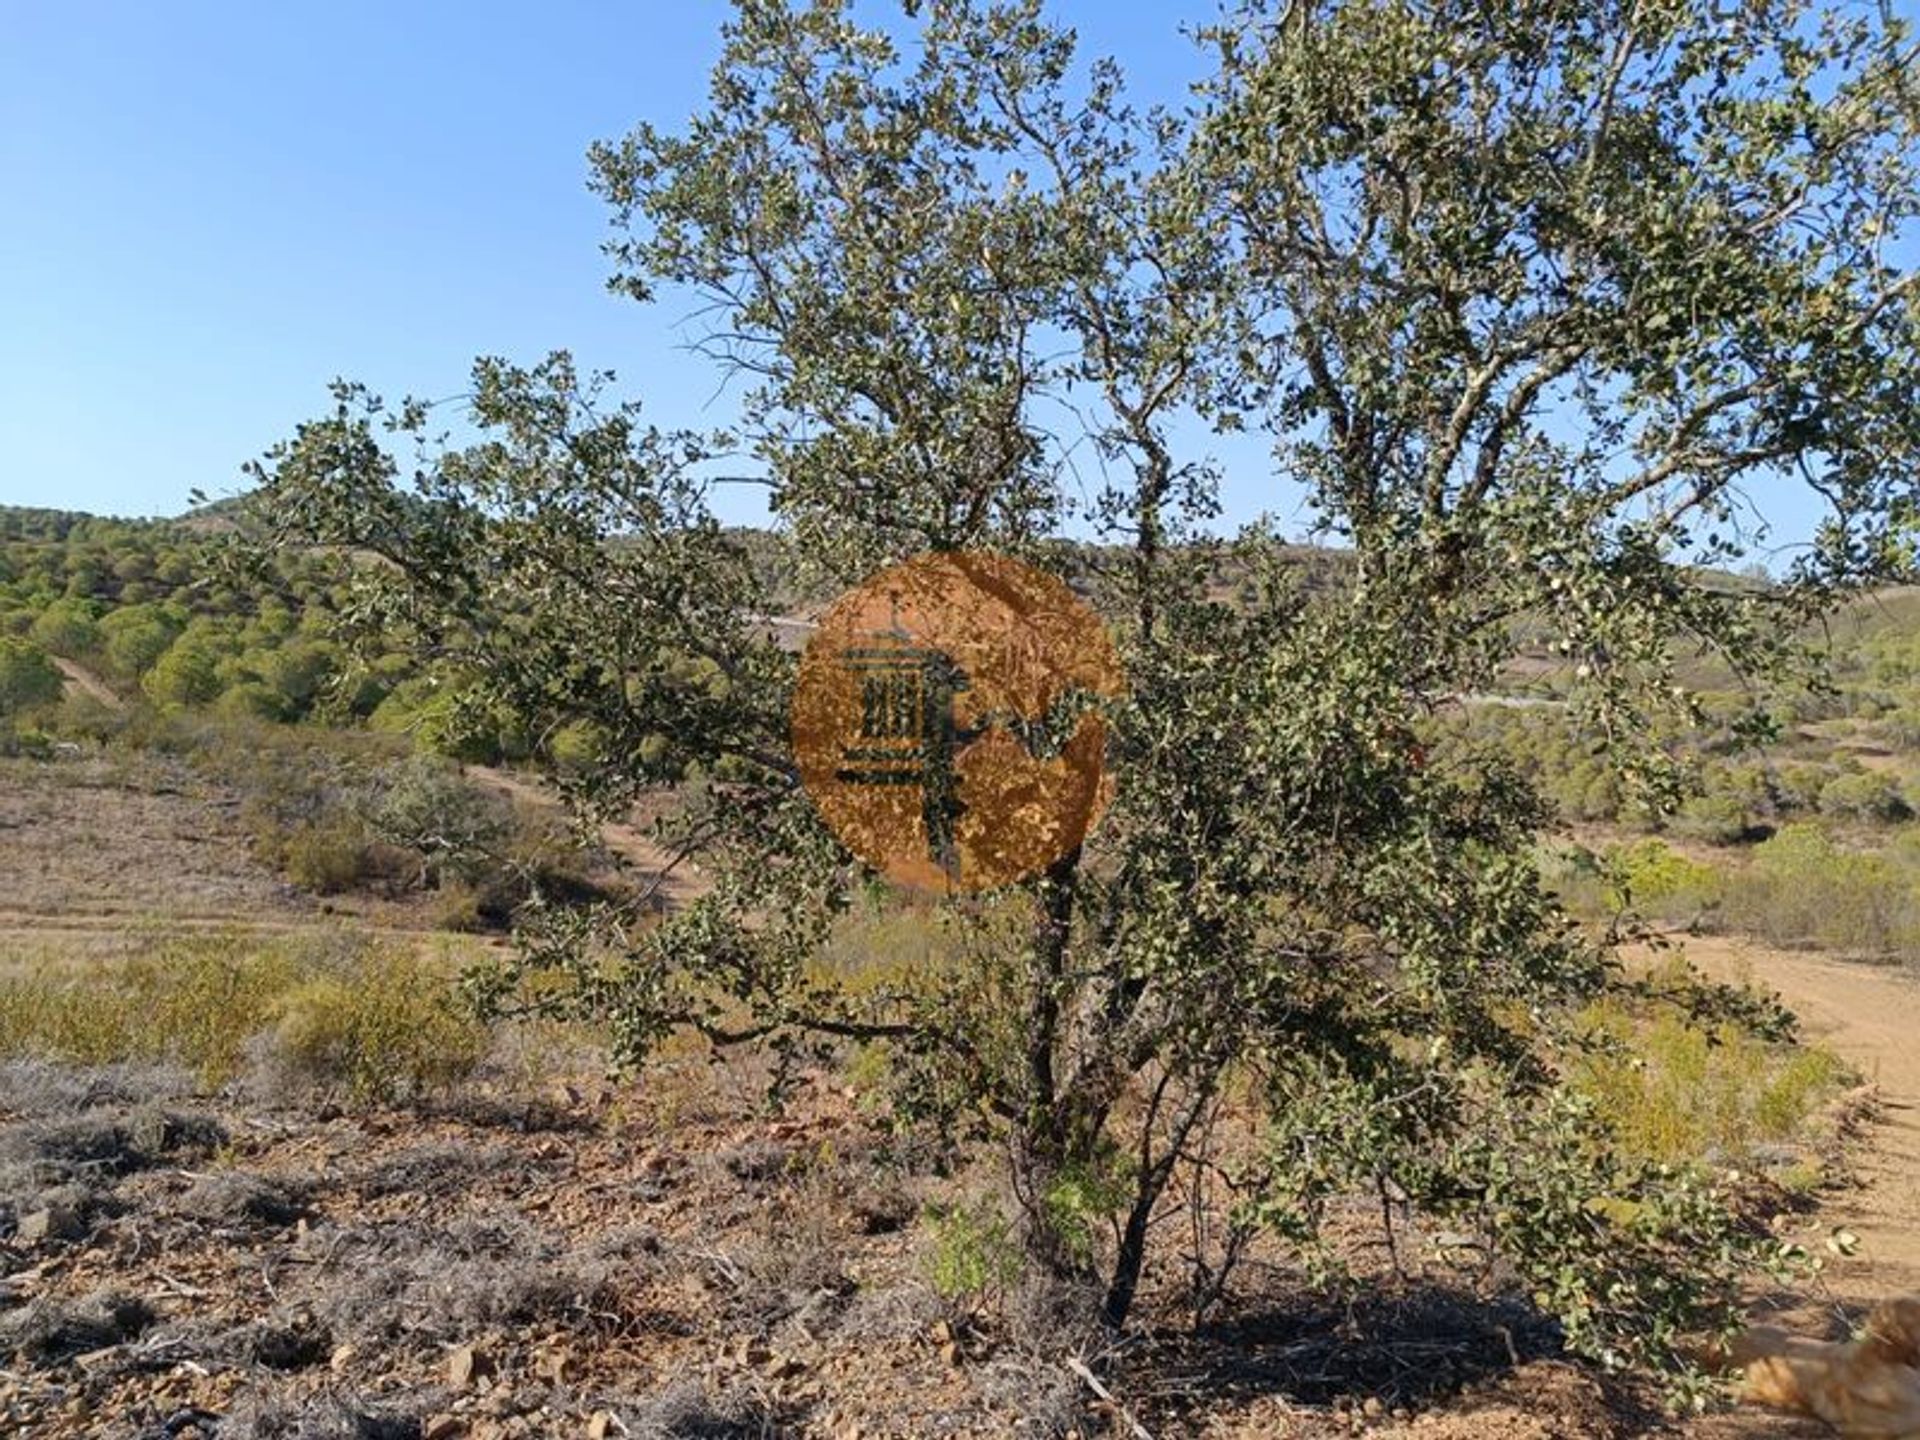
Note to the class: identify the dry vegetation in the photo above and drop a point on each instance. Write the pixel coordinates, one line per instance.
(272, 1181)
(261, 1174)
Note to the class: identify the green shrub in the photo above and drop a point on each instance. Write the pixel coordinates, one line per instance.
(1648, 878)
(1803, 889)
(1677, 1092)
(376, 1022)
(136, 637)
(327, 857)
(974, 1251)
(192, 1001)
(28, 678)
(577, 746)
(384, 1031)
(187, 674)
(430, 808)
(1864, 797)
(298, 672)
(67, 628)
(251, 700)
(1718, 819)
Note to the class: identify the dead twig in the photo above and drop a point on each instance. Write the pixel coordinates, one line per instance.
(1139, 1431)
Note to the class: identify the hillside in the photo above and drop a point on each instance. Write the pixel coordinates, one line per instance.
(248, 855)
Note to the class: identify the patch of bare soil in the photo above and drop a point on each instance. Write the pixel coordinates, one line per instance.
(97, 849)
(659, 1260)
(1869, 1015)
(79, 678)
(670, 879)
(99, 836)
(501, 1268)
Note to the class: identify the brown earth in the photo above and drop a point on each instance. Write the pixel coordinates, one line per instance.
(1869, 1015)
(80, 678)
(663, 1253)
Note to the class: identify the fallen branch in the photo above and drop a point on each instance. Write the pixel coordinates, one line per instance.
(1140, 1432)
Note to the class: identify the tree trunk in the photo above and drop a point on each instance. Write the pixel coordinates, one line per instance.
(1130, 1260)
(1045, 1139)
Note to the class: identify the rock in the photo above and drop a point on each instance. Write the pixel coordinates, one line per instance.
(600, 1425)
(443, 1427)
(552, 1366)
(466, 1365)
(50, 1222)
(341, 1358)
(950, 1353)
(1372, 1408)
(746, 1350)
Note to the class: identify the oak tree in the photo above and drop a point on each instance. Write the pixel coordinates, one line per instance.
(1535, 299)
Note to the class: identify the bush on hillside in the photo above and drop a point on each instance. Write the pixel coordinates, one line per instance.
(28, 678)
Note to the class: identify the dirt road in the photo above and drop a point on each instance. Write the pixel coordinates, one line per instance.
(1869, 1015)
(676, 881)
(88, 683)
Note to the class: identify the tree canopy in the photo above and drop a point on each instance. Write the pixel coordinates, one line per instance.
(1534, 300)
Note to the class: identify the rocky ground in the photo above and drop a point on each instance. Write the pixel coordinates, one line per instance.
(664, 1260)
(665, 1257)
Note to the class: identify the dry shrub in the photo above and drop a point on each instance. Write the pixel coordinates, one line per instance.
(69, 1164)
(328, 857)
(50, 1329)
(111, 1144)
(277, 1341)
(436, 1167)
(37, 1089)
(386, 1029)
(445, 1283)
(687, 1410)
(268, 1414)
(883, 1314)
(1039, 1398)
(235, 1197)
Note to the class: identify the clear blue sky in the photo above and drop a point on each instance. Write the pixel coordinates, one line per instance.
(214, 209)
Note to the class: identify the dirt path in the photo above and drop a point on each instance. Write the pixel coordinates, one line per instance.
(1869, 1015)
(88, 683)
(677, 882)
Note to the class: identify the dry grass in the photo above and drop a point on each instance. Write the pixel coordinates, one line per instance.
(1678, 1091)
(373, 1019)
(127, 836)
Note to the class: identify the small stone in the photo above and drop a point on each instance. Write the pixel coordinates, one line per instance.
(466, 1365)
(443, 1427)
(950, 1353)
(552, 1366)
(748, 1351)
(500, 1402)
(599, 1425)
(1372, 1407)
(341, 1358)
(50, 1222)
